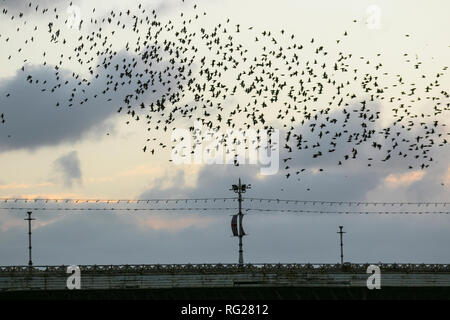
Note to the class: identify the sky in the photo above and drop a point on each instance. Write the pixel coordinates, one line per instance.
(89, 151)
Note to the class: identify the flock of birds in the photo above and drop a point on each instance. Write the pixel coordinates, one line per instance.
(231, 77)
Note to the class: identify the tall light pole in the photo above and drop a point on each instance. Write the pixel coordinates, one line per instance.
(29, 219)
(342, 244)
(240, 189)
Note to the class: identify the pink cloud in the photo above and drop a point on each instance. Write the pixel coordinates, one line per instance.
(405, 179)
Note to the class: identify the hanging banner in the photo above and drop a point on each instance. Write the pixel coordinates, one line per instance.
(234, 225)
(241, 229)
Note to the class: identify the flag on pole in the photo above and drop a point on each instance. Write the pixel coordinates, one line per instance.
(241, 229)
(234, 225)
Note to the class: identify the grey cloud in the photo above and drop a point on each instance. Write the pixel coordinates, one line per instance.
(33, 120)
(15, 7)
(24, 4)
(68, 167)
(365, 150)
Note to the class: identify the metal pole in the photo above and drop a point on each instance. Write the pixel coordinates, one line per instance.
(342, 244)
(241, 252)
(30, 262)
(240, 189)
